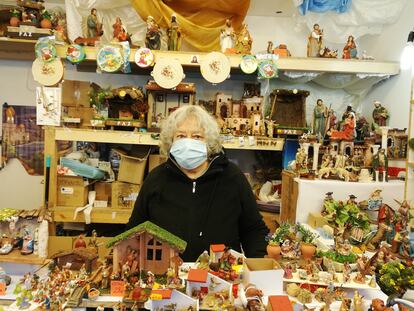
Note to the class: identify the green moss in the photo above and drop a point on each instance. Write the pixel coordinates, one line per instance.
(351, 258)
(156, 231)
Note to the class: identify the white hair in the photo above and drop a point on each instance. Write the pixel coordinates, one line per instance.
(205, 121)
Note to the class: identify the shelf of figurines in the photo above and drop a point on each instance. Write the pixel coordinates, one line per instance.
(22, 49)
(151, 139)
(128, 276)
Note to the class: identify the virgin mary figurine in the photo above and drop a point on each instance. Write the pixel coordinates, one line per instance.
(174, 35)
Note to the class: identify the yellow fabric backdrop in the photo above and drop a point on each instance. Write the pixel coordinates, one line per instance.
(200, 20)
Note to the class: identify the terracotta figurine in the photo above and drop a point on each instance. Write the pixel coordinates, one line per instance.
(174, 34)
(227, 37)
(315, 42)
(380, 165)
(350, 50)
(120, 33)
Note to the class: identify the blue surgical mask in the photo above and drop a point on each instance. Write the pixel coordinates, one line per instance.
(189, 153)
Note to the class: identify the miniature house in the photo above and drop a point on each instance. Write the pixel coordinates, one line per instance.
(76, 258)
(167, 299)
(253, 105)
(223, 105)
(201, 281)
(216, 251)
(147, 247)
(288, 107)
(161, 102)
(346, 148)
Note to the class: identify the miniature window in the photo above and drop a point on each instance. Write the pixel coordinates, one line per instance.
(154, 246)
(158, 254)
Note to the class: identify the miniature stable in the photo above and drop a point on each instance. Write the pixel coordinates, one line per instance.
(339, 255)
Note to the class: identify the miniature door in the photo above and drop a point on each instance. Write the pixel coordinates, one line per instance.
(157, 256)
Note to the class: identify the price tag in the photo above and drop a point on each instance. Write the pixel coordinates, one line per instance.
(117, 288)
(2, 288)
(156, 297)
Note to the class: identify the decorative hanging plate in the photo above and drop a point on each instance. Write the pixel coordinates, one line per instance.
(168, 73)
(48, 74)
(215, 67)
(45, 51)
(75, 53)
(267, 69)
(144, 57)
(109, 58)
(248, 64)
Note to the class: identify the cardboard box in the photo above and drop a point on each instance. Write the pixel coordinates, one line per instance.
(265, 273)
(124, 195)
(72, 191)
(85, 114)
(316, 220)
(132, 166)
(103, 192)
(155, 160)
(75, 94)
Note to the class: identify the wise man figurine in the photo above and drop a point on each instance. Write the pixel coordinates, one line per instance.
(227, 37)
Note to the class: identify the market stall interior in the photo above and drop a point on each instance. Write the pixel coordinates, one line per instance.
(309, 101)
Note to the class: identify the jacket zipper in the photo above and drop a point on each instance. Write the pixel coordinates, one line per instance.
(194, 186)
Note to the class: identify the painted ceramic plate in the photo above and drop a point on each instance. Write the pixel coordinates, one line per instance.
(109, 58)
(45, 51)
(75, 53)
(215, 67)
(267, 69)
(48, 74)
(144, 58)
(248, 64)
(168, 73)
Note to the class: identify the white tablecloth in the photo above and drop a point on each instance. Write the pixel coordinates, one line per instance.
(312, 192)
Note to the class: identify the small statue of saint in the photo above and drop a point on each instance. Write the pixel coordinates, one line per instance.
(92, 24)
(174, 35)
(315, 41)
(350, 50)
(380, 114)
(227, 37)
(320, 114)
(153, 36)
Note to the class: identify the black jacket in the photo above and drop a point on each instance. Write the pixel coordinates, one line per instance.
(216, 208)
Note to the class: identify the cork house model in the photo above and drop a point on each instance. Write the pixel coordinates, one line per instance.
(149, 247)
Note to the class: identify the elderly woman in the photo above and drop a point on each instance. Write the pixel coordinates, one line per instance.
(198, 194)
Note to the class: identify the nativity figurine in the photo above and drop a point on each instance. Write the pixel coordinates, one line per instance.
(120, 33)
(315, 42)
(174, 34)
(153, 35)
(320, 115)
(380, 114)
(92, 24)
(227, 37)
(244, 41)
(380, 165)
(350, 50)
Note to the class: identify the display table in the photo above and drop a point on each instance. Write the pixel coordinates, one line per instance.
(310, 194)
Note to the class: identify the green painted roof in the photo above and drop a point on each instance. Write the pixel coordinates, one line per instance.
(156, 231)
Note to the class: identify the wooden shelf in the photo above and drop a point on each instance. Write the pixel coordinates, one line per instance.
(98, 215)
(104, 136)
(24, 50)
(16, 257)
(137, 138)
